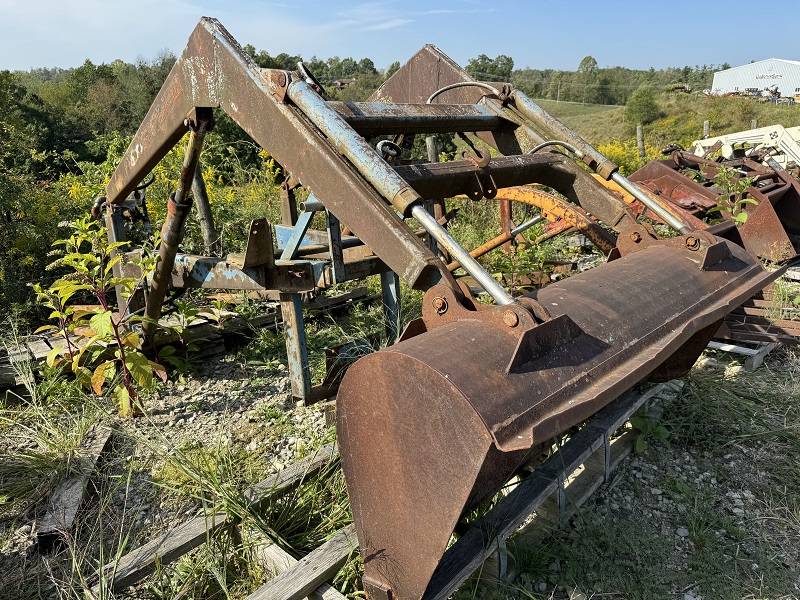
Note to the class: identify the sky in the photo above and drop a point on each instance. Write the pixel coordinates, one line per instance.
(535, 33)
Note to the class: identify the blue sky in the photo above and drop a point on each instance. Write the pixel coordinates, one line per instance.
(536, 33)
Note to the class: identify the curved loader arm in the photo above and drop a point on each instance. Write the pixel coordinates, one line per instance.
(214, 72)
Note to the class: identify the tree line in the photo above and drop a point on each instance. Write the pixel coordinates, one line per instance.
(590, 83)
(56, 125)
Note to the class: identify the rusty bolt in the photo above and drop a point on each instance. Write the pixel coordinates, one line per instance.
(281, 80)
(692, 243)
(511, 318)
(636, 237)
(440, 305)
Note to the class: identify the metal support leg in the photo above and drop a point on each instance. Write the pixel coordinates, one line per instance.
(335, 248)
(505, 223)
(288, 204)
(296, 349)
(390, 288)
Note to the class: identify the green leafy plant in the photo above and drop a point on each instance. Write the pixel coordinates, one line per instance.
(108, 343)
(219, 312)
(177, 327)
(732, 199)
(648, 428)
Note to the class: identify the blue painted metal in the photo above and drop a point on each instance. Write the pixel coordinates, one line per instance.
(313, 237)
(303, 223)
(283, 234)
(390, 291)
(203, 271)
(296, 348)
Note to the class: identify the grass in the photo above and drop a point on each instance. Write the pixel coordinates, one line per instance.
(596, 123)
(711, 418)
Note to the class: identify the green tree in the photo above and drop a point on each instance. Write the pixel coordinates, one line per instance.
(491, 69)
(642, 107)
(586, 71)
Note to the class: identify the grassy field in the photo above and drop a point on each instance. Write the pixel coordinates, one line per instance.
(598, 124)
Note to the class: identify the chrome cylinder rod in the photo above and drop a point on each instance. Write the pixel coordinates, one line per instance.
(497, 242)
(470, 265)
(366, 159)
(387, 181)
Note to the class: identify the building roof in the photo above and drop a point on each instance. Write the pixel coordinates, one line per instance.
(786, 60)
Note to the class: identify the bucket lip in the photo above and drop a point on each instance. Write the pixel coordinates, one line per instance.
(588, 389)
(632, 370)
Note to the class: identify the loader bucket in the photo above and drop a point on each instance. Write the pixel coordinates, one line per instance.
(435, 424)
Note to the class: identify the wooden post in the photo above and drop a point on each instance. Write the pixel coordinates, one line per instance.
(200, 193)
(640, 142)
(706, 129)
(754, 124)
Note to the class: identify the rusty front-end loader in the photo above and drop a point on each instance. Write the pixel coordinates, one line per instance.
(437, 422)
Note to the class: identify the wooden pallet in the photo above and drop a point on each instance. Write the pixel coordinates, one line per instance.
(208, 335)
(569, 476)
(755, 356)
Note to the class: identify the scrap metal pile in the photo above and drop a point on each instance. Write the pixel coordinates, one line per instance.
(437, 422)
(766, 161)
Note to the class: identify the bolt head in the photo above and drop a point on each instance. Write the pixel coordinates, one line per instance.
(439, 305)
(281, 79)
(692, 243)
(510, 318)
(636, 237)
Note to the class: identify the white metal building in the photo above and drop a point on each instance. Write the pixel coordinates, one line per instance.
(760, 75)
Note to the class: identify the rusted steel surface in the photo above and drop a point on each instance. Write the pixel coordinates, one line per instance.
(214, 71)
(424, 433)
(772, 229)
(178, 209)
(378, 118)
(762, 318)
(436, 423)
(430, 70)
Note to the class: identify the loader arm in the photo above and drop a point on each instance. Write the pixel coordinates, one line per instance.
(214, 72)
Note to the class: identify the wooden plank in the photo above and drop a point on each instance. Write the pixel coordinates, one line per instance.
(167, 548)
(580, 486)
(8, 376)
(275, 559)
(311, 571)
(291, 476)
(483, 538)
(734, 348)
(68, 495)
(39, 348)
